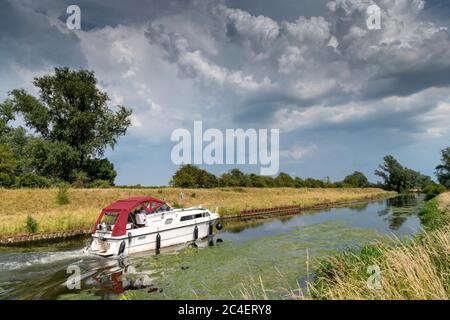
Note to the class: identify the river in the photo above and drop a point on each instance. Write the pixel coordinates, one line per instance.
(256, 259)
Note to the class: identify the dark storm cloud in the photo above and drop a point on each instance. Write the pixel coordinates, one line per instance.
(28, 39)
(406, 83)
(289, 66)
(100, 13)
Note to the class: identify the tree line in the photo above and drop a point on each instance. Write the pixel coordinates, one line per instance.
(64, 132)
(191, 176)
(395, 176)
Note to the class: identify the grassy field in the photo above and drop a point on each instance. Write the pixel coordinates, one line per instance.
(417, 269)
(85, 204)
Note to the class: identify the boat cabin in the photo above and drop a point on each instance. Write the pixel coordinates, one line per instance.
(128, 213)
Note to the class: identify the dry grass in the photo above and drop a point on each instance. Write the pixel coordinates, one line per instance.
(444, 202)
(418, 269)
(85, 204)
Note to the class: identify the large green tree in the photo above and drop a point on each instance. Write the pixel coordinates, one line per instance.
(234, 178)
(190, 176)
(356, 179)
(8, 166)
(443, 170)
(399, 178)
(284, 180)
(71, 122)
(258, 181)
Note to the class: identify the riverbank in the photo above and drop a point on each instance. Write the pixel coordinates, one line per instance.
(415, 269)
(85, 204)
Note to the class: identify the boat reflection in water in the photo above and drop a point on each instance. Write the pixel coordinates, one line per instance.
(123, 276)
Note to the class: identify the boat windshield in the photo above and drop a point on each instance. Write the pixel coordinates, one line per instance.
(162, 208)
(110, 218)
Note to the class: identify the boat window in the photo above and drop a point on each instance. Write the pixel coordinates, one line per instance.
(110, 218)
(198, 215)
(155, 204)
(163, 208)
(169, 221)
(185, 218)
(205, 214)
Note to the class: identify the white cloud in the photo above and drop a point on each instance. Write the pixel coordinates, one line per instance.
(128, 69)
(305, 31)
(196, 65)
(255, 33)
(207, 72)
(297, 153)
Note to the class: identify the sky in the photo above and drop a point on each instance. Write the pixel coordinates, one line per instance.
(342, 95)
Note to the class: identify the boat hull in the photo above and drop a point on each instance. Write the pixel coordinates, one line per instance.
(146, 239)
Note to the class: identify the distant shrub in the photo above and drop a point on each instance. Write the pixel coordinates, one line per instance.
(190, 176)
(62, 197)
(284, 180)
(81, 180)
(32, 180)
(31, 224)
(239, 189)
(99, 184)
(431, 217)
(193, 195)
(100, 169)
(432, 190)
(160, 191)
(356, 180)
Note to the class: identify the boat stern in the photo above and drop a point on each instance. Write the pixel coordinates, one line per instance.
(105, 247)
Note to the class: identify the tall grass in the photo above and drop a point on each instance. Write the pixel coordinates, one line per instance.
(85, 204)
(31, 224)
(62, 198)
(416, 269)
(431, 217)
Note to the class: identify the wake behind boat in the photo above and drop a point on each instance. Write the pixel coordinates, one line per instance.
(146, 223)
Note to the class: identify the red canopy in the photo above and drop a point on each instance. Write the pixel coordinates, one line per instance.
(123, 208)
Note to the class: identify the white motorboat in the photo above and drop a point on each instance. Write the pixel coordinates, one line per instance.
(145, 223)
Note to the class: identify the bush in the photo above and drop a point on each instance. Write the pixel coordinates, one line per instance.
(432, 190)
(190, 176)
(31, 224)
(8, 166)
(356, 180)
(431, 217)
(100, 169)
(81, 180)
(99, 184)
(62, 197)
(32, 180)
(234, 178)
(313, 183)
(284, 180)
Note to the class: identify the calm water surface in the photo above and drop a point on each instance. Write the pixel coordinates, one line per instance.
(280, 253)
